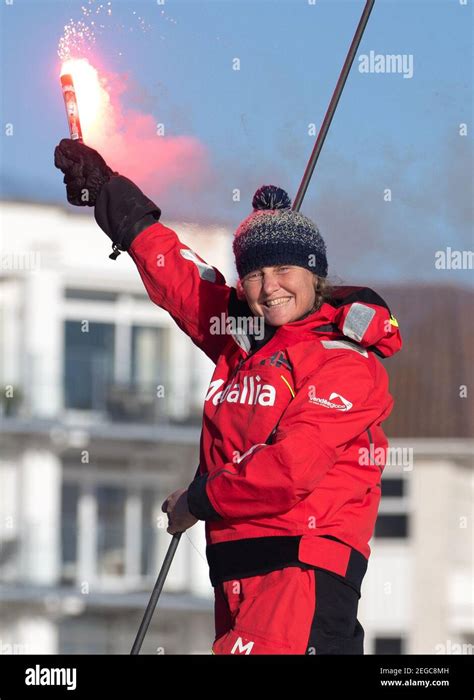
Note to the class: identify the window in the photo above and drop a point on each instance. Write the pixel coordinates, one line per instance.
(102, 536)
(96, 353)
(149, 531)
(393, 519)
(148, 352)
(135, 398)
(89, 358)
(88, 634)
(111, 530)
(388, 645)
(393, 488)
(69, 500)
(391, 525)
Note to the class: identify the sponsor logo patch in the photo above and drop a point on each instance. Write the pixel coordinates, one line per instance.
(250, 391)
(335, 401)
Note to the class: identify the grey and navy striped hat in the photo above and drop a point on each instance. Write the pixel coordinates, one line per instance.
(274, 234)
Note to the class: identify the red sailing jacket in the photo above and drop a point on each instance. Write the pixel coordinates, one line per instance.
(292, 448)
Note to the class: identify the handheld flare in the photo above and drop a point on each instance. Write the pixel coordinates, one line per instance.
(72, 110)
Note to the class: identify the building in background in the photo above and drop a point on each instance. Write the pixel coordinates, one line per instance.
(418, 595)
(102, 398)
(101, 406)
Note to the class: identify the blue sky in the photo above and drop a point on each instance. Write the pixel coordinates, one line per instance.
(388, 132)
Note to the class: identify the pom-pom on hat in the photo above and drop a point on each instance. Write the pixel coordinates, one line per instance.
(274, 234)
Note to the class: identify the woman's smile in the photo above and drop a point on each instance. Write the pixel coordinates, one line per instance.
(276, 303)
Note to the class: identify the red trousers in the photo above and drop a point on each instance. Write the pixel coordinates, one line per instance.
(295, 610)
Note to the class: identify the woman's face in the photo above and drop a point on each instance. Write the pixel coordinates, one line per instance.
(290, 286)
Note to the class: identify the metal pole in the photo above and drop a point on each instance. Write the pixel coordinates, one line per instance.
(332, 105)
(155, 594)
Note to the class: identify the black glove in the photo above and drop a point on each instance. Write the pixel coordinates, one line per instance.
(121, 209)
(85, 171)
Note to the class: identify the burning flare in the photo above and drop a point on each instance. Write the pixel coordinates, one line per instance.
(83, 89)
(127, 138)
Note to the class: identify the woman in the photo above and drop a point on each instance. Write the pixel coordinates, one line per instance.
(289, 477)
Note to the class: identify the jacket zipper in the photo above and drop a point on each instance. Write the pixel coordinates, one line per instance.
(242, 360)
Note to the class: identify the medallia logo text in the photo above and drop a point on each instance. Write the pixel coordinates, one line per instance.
(250, 391)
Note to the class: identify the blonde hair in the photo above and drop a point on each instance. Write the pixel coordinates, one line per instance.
(324, 290)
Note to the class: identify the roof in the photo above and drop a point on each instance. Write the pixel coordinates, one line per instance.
(431, 378)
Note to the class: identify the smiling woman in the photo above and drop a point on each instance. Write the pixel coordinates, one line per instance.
(284, 293)
(288, 506)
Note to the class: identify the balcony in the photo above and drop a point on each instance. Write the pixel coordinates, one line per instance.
(129, 403)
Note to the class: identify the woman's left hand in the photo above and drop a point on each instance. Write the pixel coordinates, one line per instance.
(179, 517)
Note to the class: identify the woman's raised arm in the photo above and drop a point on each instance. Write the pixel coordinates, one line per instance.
(176, 278)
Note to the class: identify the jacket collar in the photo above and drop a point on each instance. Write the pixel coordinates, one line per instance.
(357, 314)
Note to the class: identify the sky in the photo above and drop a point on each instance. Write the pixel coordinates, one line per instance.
(232, 130)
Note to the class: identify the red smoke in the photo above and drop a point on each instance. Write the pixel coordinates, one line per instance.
(131, 143)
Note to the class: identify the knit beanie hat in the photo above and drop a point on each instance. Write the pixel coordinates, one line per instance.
(274, 234)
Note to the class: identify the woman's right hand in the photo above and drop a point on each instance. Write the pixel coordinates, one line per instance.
(85, 171)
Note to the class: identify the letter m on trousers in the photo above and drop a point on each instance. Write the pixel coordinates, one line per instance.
(241, 648)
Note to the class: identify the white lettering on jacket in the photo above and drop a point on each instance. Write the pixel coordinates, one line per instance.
(335, 401)
(250, 391)
(239, 647)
